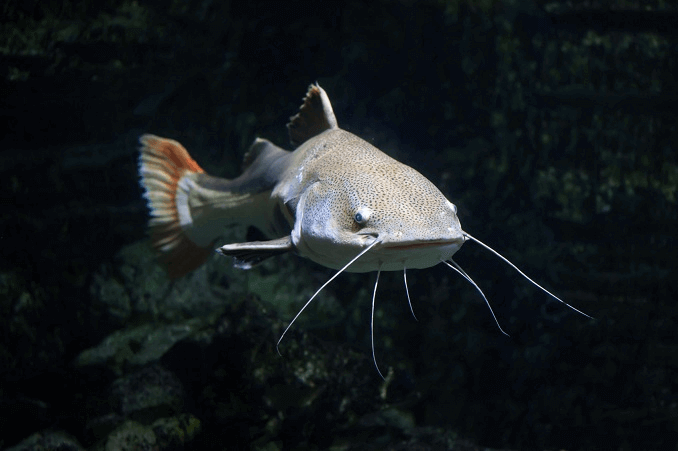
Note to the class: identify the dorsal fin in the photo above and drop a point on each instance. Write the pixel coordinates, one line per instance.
(314, 117)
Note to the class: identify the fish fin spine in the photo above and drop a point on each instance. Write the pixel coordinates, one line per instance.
(314, 117)
(165, 168)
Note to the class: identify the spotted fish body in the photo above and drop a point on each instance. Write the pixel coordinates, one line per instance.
(327, 200)
(335, 199)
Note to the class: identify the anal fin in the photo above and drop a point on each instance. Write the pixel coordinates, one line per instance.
(247, 255)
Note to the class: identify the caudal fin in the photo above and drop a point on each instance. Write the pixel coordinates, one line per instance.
(162, 165)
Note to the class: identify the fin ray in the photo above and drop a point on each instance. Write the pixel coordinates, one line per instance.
(314, 117)
(162, 164)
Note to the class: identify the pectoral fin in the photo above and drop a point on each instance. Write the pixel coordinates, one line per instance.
(248, 255)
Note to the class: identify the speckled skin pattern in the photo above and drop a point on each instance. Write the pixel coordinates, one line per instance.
(335, 175)
(335, 193)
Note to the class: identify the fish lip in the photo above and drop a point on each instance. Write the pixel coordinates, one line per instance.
(418, 244)
(369, 234)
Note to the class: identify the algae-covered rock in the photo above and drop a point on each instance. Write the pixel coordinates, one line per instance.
(129, 436)
(174, 433)
(48, 440)
(165, 434)
(138, 289)
(140, 345)
(147, 394)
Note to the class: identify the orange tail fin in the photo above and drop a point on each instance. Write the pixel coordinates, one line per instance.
(162, 164)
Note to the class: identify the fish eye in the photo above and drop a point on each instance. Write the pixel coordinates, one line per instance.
(454, 207)
(362, 215)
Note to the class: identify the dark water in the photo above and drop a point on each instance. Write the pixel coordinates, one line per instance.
(553, 133)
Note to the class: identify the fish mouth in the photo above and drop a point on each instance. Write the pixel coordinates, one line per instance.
(421, 244)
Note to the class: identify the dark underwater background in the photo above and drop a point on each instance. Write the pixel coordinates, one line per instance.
(550, 124)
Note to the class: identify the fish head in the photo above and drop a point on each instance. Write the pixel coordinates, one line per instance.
(339, 216)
